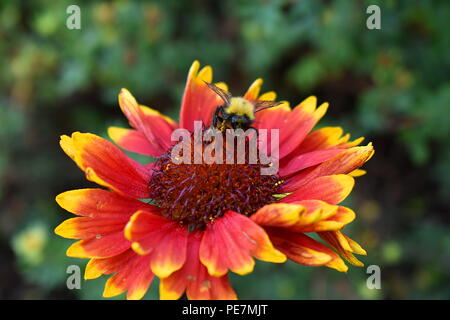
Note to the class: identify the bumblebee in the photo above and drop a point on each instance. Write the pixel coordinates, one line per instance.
(236, 112)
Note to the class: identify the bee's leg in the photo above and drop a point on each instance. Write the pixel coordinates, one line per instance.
(214, 120)
(216, 116)
(219, 123)
(225, 120)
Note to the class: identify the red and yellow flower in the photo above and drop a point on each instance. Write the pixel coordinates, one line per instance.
(191, 224)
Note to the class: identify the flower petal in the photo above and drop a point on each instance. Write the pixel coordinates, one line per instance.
(133, 140)
(294, 216)
(279, 215)
(67, 145)
(87, 227)
(99, 247)
(304, 216)
(193, 278)
(322, 138)
(330, 217)
(294, 124)
(199, 101)
(337, 221)
(104, 266)
(332, 189)
(268, 96)
(101, 203)
(152, 124)
(165, 239)
(305, 250)
(239, 239)
(357, 173)
(107, 165)
(344, 245)
(325, 138)
(345, 162)
(104, 216)
(290, 165)
(252, 93)
(318, 146)
(132, 273)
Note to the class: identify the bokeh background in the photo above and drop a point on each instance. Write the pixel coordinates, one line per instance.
(390, 85)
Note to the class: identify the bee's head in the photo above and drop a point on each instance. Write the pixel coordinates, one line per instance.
(240, 121)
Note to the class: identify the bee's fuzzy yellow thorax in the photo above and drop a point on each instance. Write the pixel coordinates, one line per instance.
(241, 107)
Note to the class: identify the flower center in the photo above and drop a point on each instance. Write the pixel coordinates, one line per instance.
(197, 193)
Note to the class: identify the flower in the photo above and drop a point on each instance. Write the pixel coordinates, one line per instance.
(29, 244)
(205, 220)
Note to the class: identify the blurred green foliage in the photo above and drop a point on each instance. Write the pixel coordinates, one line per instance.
(391, 85)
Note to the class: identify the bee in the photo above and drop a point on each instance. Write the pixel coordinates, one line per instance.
(236, 112)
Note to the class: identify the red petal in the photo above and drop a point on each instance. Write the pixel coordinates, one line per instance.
(105, 215)
(318, 146)
(291, 165)
(107, 165)
(240, 239)
(304, 250)
(87, 227)
(332, 189)
(199, 102)
(153, 125)
(294, 124)
(322, 138)
(133, 140)
(194, 278)
(132, 273)
(344, 245)
(304, 216)
(325, 138)
(345, 162)
(107, 245)
(165, 239)
(282, 215)
(101, 203)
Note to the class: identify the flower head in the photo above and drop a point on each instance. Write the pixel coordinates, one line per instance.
(192, 223)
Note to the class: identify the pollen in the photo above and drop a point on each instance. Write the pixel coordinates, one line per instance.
(196, 194)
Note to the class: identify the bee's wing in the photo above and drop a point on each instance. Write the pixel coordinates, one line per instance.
(262, 104)
(226, 96)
